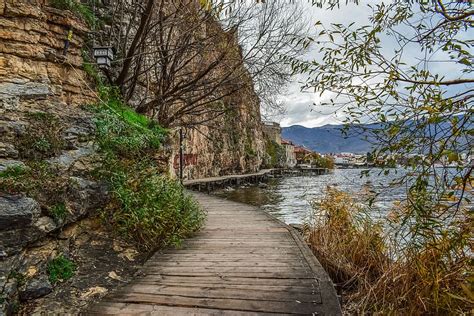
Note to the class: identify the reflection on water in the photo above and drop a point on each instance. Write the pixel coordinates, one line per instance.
(289, 198)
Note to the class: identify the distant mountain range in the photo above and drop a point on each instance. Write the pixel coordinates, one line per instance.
(326, 139)
(330, 139)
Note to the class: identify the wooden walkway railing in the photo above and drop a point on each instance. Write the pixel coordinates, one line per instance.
(244, 262)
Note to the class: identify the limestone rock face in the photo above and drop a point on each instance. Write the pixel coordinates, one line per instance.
(84, 196)
(8, 151)
(41, 93)
(232, 145)
(32, 66)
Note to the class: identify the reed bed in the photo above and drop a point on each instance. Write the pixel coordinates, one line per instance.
(402, 267)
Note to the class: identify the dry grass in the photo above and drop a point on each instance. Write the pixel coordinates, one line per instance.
(382, 275)
(42, 138)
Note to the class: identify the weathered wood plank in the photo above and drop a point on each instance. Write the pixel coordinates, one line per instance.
(268, 275)
(113, 308)
(233, 263)
(234, 250)
(224, 280)
(293, 307)
(290, 271)
(310, 295)
(228, 256)
(300, 288)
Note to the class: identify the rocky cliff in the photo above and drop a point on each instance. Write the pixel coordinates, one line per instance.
(40, 93)
(230, 140)
(33, 68)
(232, 144)
(45, 142)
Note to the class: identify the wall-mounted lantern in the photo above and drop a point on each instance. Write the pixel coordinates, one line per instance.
(103, 56)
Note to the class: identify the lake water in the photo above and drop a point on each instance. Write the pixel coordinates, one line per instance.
(288, 198)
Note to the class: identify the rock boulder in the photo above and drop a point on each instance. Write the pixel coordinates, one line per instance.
(17, 212)
(35, 288)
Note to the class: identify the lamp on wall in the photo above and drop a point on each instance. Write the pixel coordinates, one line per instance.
(103, 56)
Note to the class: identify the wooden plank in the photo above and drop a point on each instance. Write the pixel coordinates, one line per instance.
(194, 279)
(290, 270)
(268, 275)
(233, 263)
(288, 288)
(310, 295)
(211, 256)
(226, 261)
(235, 238)
(249, 243)
(276, 247)
(115, 308)
(293, 307)
(247, 230)
(225, 250)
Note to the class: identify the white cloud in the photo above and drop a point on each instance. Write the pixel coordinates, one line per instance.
(303, 108)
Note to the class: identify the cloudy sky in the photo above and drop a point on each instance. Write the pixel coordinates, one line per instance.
(302, 107)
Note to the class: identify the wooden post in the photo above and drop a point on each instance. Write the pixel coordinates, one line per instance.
(181, 158)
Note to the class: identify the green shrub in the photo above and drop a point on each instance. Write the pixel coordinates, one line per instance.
(13, 172)
(146, 206)
(150, 208)
(60, 269)
(58, 211)
(81, 10)
(121, 131)
(42, 145)
(122, 134)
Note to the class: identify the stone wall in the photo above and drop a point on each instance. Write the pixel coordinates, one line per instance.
(272, 132)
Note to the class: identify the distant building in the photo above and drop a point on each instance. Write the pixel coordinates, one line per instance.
(300, 154)
(344, 159)
(350, 160)
(272, 131)
(290, 155)
(340, 160)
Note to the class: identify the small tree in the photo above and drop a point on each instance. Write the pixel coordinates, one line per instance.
(423, 114)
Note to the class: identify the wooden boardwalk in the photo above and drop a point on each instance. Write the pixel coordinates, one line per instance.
(210, 184)
(243, 262)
